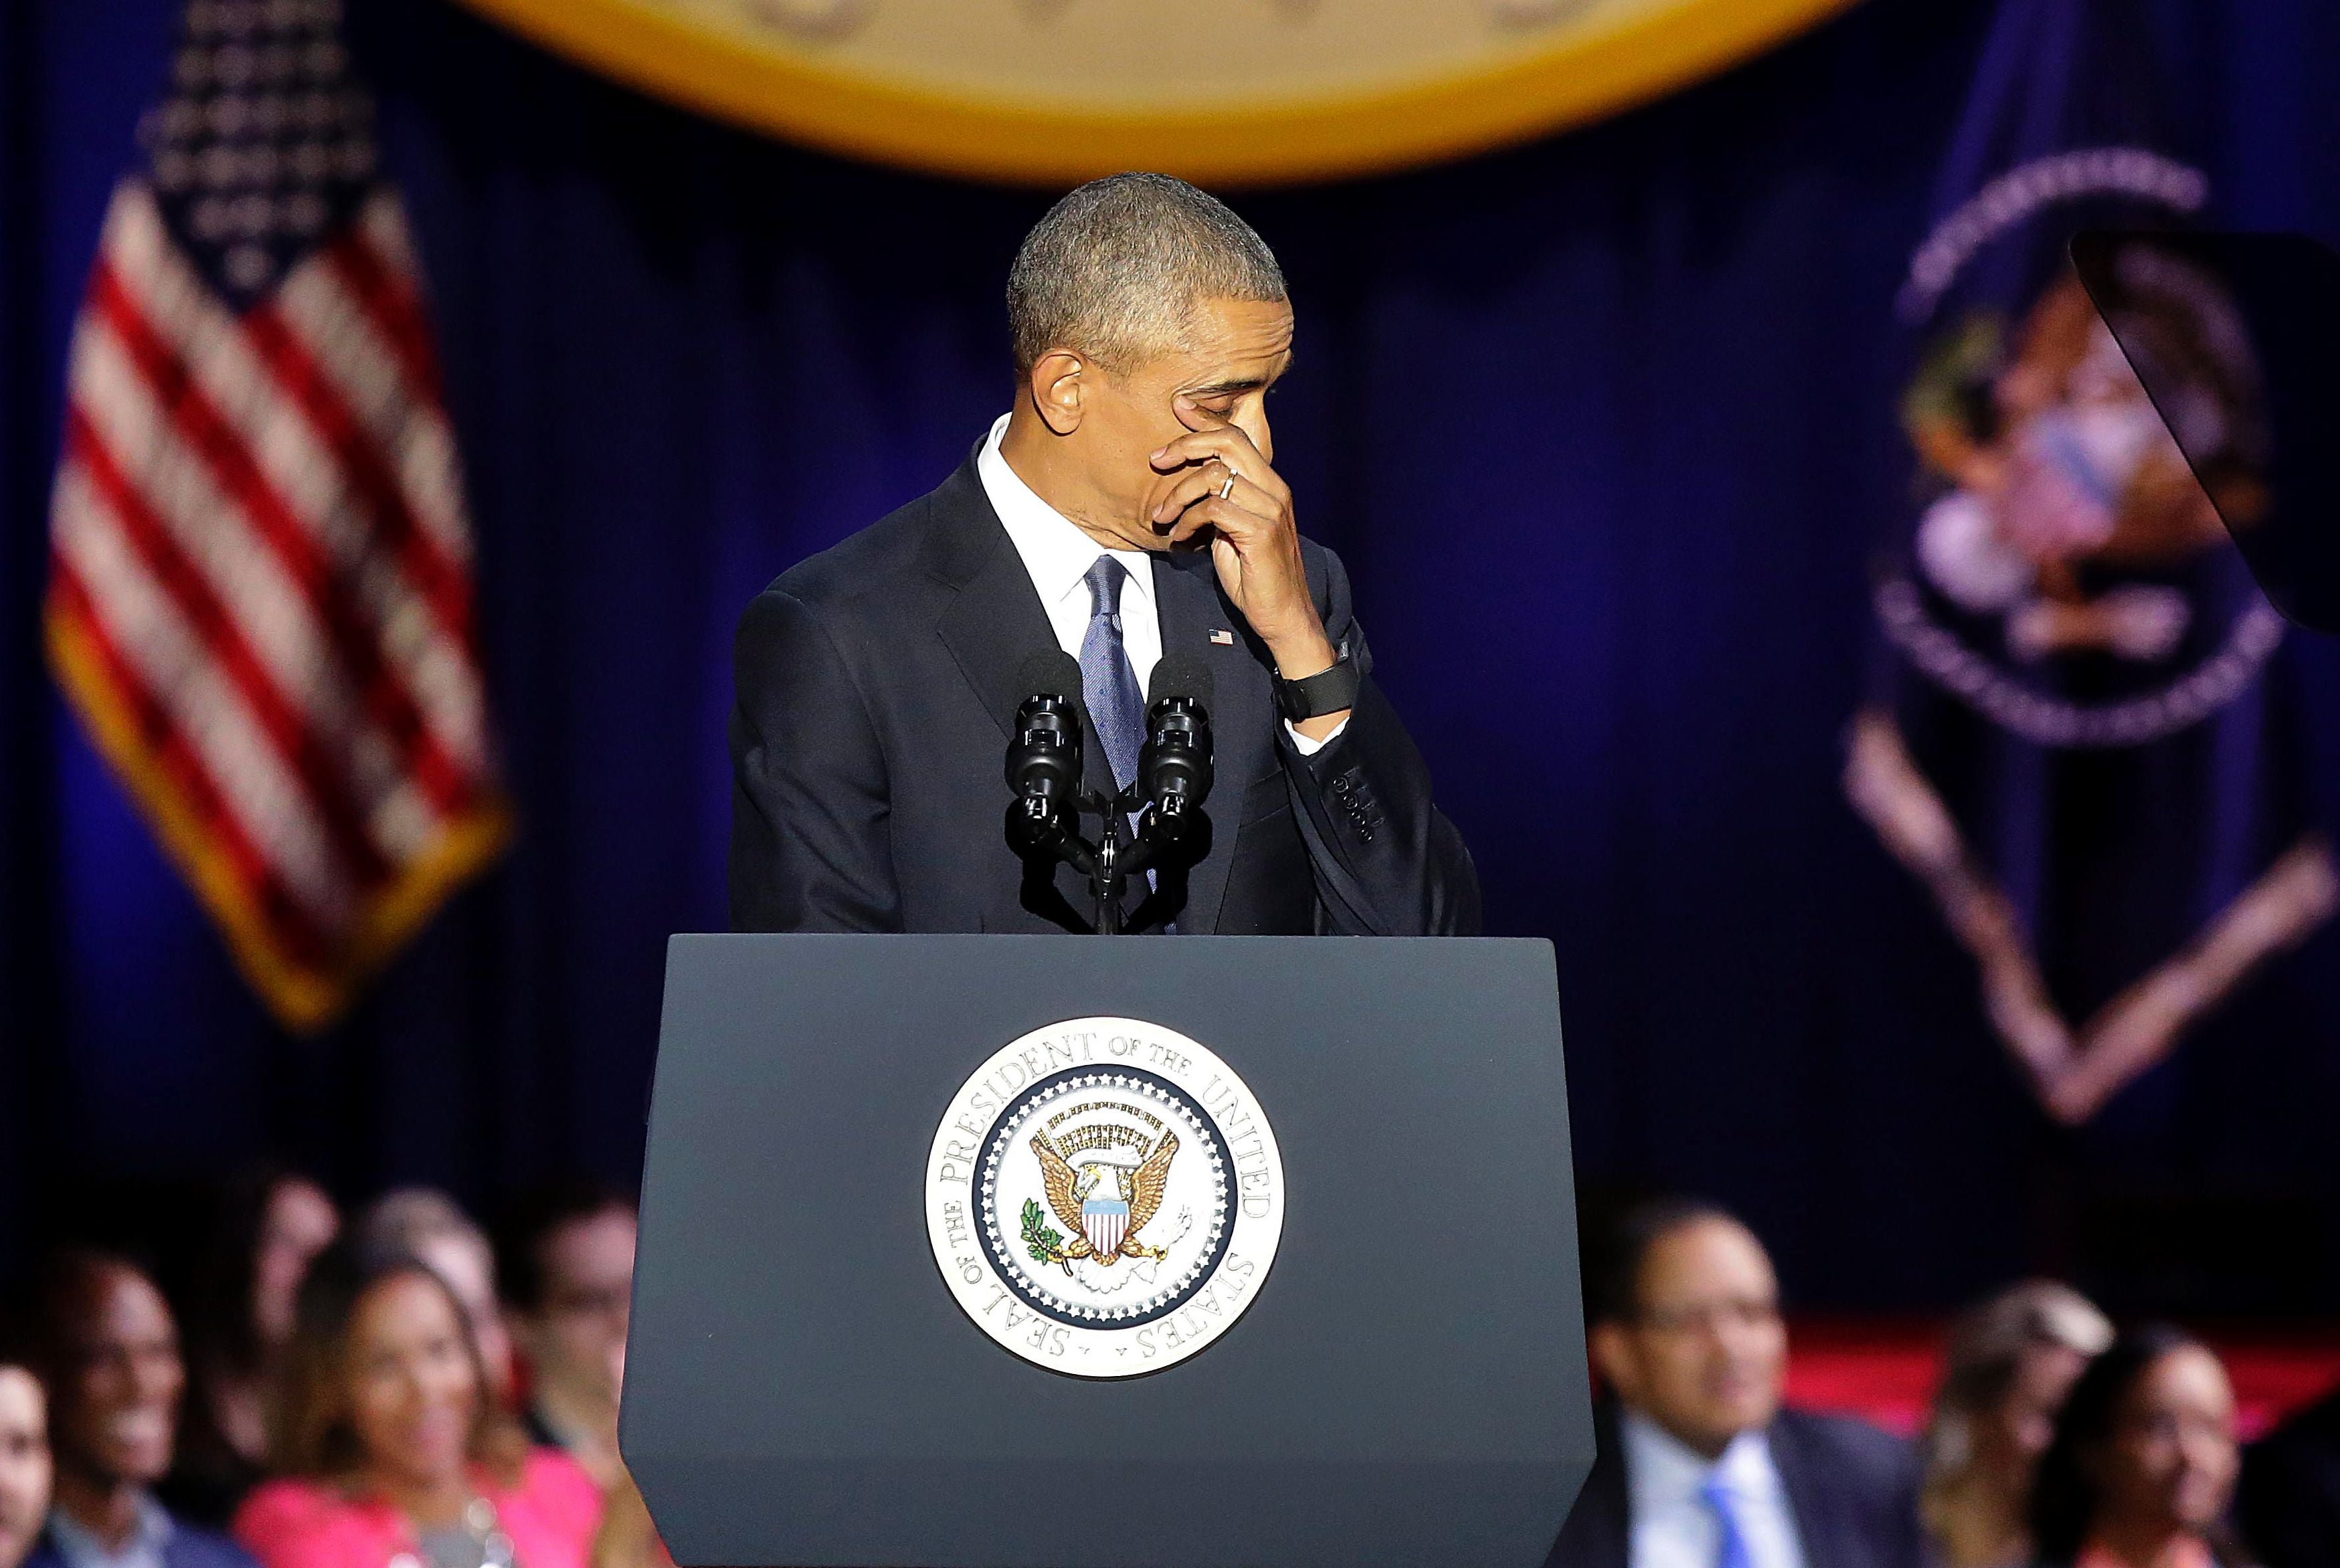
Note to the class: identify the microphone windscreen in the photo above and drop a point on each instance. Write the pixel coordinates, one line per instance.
(1180, 675)
(1055, 673)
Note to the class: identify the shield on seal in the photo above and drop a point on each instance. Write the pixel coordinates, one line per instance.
(1105, 1221)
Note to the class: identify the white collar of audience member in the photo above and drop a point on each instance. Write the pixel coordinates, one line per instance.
(1662, 1468)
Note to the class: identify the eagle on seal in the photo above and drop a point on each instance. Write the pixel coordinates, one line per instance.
(1104, 1205)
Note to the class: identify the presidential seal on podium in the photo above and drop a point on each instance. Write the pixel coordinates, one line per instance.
(1105, 1197)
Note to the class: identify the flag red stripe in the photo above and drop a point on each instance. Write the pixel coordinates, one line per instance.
(371, 337)
(383, 287)
(381, 695)
(320, 780)
(261, 595)
(438, 581)
(161, 736)
(293, 455)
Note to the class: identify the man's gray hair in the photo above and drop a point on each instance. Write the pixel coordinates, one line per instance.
(1117, 268)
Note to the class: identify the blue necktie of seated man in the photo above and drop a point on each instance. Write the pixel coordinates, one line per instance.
(1730, 1550)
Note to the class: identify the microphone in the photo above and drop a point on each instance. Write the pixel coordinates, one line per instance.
(1174, 766)
(1044, 753)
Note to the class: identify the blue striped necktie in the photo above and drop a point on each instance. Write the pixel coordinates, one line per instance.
(1730, 1551)
(1109, 684)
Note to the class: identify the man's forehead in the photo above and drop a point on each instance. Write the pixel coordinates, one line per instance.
(1249, 334)
(1706, 1256)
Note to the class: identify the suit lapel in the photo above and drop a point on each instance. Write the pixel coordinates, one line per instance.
(1187, 590)
(1808, 1503)
(994, 622)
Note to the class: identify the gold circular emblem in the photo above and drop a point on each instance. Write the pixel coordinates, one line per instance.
(1222, 91)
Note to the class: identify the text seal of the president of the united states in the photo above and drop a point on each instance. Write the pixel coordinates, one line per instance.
(1105, 1197)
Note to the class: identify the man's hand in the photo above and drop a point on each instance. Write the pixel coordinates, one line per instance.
(1255, 540)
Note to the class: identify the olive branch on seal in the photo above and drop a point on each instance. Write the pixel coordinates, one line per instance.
(1045, 1243)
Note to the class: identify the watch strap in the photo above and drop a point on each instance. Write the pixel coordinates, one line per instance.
(1328, 690)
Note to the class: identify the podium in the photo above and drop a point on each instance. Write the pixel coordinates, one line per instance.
(989, 1251)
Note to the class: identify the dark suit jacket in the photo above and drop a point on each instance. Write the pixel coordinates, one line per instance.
(876, 688)
(2288, 1506)
(189, 1547)
(1852, 1488)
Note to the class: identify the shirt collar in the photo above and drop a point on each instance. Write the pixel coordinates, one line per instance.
(1056, 555)
(78, 1544)
(1662, 1469)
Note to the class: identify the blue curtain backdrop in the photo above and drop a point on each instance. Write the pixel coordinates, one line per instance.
(1604, 426)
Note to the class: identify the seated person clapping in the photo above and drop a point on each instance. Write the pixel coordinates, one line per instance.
(390, 1449)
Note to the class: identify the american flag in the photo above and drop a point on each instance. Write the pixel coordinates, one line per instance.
(260, 595)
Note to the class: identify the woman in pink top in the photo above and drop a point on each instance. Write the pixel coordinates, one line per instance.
(387, 1452)
(2142, 1467)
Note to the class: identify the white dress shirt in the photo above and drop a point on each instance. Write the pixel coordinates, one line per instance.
(1671, 1525)
(1058, 557)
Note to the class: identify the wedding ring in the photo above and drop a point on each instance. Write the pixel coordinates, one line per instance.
(1229, 488)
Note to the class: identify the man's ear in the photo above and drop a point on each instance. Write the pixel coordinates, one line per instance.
(1059, 387)
(1612, 1356)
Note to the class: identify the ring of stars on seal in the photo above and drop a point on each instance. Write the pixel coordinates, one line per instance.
(1140, 1089)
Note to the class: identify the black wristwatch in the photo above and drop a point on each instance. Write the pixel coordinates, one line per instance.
(1325, 692)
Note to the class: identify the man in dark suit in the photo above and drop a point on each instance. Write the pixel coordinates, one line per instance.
(105, 1347)
(1698, 1465)
(1124, 511)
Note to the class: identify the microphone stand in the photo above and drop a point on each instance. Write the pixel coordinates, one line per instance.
(1043, 822)
(1108, 863)
(1108, 875)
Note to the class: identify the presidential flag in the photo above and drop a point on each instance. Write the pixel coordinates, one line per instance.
(2079, 739)
(260, 599)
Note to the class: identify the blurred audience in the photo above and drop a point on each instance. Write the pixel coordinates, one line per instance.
(105, 1348)
(566, 1255)
(2007, 1368)
(2142, 1464)
(389, 1445)
(371, 1377)
(423, 1223)
(270, 1224)
(24, 1469)
(1698, 1466)
(2289, 1501)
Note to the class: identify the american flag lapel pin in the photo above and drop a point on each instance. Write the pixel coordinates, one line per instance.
(1222, 637)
